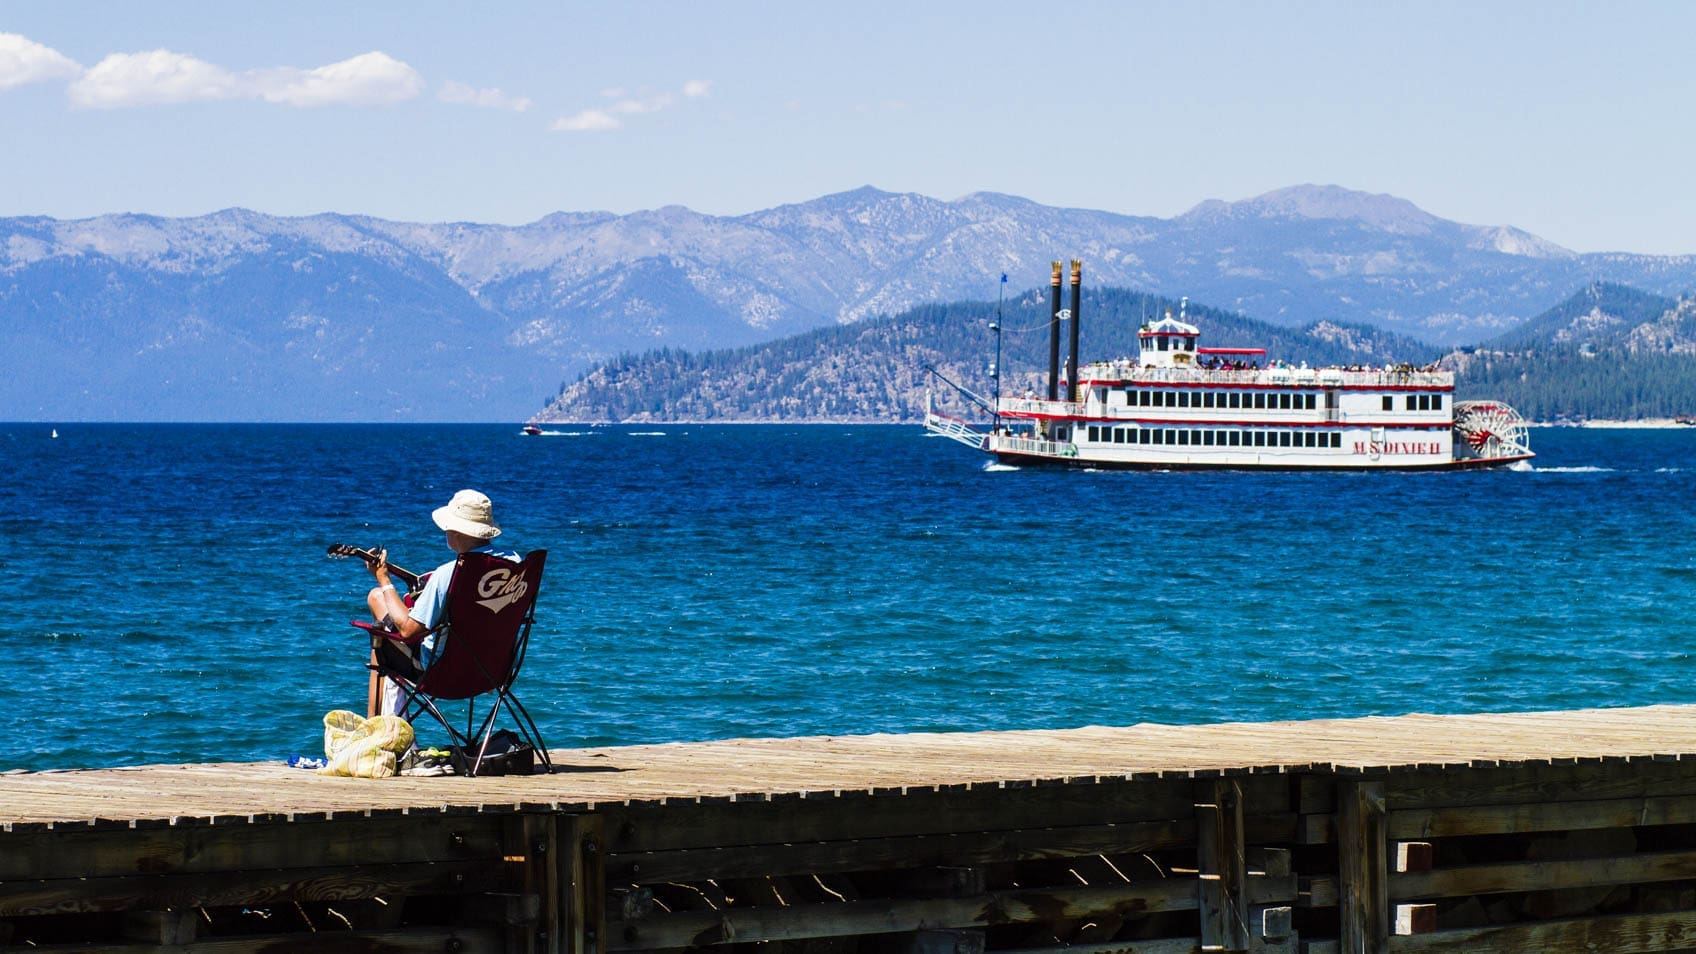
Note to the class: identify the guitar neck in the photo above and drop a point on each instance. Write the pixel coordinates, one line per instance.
(400, 573)
(405, 576)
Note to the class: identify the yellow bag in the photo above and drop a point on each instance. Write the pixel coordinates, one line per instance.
(340, 728)
(364, 748)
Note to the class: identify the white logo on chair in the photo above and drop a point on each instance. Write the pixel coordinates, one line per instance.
(500, 589)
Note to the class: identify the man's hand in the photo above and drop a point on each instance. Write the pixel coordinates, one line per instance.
(379, 567)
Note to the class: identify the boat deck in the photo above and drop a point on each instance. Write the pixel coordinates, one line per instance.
(827, 766)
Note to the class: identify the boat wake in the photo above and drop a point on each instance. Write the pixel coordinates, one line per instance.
(1565, 470)
(995, 468)
(647, 433)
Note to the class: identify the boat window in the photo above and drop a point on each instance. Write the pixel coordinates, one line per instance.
(1233, 438)
(1183, 399)
(1144, 398)
(1410, 402)
(1171, 437)
(1284, 439)
(1312, 440)
(1235, 399)
(1312, 402)
(1337, 439)
(1260, 438)
(1436, 402)
(1389, 403)
(1260, 401)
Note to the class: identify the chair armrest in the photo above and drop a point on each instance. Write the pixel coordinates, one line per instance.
(376, 630)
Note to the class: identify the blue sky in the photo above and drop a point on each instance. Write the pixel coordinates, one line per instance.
(1569, 120)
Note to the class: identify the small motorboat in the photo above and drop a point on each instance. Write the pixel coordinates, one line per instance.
(532, 430)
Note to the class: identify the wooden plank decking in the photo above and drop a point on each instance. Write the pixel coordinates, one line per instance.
(765, 769)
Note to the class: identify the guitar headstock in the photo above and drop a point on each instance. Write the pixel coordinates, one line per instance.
(343, 550)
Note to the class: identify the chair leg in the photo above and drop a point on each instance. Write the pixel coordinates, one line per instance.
(527, 725)
(373, 688)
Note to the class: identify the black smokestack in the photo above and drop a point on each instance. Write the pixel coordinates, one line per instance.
(1072, 356)
(1054, 337)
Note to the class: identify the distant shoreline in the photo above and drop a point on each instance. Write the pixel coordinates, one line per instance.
(1640, 424)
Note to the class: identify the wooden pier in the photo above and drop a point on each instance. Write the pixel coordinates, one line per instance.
(1550, 832)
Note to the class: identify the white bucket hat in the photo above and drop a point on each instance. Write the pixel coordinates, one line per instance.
(470, 513)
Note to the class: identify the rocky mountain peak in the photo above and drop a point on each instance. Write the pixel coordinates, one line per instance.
(1384, 212)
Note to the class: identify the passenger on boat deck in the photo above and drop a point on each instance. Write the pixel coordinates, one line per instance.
(469, 521)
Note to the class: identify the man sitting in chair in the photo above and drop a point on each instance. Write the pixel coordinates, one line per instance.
(469, 522)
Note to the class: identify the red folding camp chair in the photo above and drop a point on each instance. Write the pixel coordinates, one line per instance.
(481, 641)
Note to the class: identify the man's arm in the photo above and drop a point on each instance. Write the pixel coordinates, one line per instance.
(392, 604)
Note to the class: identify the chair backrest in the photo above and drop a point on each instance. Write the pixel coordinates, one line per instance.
(491, 603)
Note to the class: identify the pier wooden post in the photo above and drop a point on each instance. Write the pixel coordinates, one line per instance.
(540, 887)
(1362, 867)
(582, 872)
(1222, 869)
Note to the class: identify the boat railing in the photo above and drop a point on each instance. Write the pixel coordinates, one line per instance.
(1040, 407)
(954, 429)
(1309, 377)
(1039, 448)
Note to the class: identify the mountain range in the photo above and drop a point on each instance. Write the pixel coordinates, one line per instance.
(1608, 351)
(243, 316)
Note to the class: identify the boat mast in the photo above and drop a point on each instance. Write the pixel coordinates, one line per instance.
(995, 326)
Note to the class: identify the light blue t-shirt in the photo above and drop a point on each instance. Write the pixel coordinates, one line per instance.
(433, 600)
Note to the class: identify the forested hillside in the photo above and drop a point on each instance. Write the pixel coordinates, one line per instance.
(876, 370)
(1608, 352)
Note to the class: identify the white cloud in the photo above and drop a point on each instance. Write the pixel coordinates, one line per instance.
(161, 76)
(589, 120)
(369, 79)
(157, 76)
(461, 94)
(607, 118)
(23, 61)
(651, 104)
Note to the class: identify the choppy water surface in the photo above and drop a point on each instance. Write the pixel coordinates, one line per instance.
(167, 597)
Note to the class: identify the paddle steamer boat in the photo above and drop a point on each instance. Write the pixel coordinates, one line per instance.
(1180, 406)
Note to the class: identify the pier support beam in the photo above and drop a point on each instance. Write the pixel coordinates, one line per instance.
(1222, 867)
(583, 881)
(1362, 868)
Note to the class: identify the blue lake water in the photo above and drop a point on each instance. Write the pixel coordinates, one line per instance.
(167, 597)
